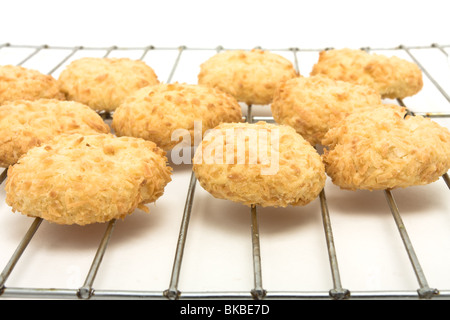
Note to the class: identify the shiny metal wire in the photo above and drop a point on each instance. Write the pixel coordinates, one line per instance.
(337, 290)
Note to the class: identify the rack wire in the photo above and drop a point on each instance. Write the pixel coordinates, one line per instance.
(337, 290)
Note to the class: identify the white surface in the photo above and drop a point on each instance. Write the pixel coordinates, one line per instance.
(218, 249)
(248, 23)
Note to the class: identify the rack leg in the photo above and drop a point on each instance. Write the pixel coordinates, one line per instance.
(19, 251)
(172, 293)
(424, 291)
(3, 176)
(338, 292)
(446, 179)
(85, 292)
(258, 292)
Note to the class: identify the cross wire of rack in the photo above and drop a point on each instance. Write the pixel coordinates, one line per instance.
(337, 291)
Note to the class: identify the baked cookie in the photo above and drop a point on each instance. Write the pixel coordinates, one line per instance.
(25, 124)
(382, 149)
(392, 77)
(155, 113)
(259, 164)
(103, 83)
(76, 179)
(249, 76)
(17, 83)
(312, 105)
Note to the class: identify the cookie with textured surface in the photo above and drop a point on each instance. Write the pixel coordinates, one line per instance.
(249, 76)
(382, 149)
(259, 164)
(103, 83)
(76, 179)
(313, 105)
(392, 77)
(25, 124)
(155, 113)
(19, 83)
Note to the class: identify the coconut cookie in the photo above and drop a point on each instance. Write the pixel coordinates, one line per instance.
(25, 124)
(249, 76)
(76, 179)
(19, 83)
(259, 164)
(381, 149)
(313, 105)
(392, 77)
(164, 113)
(103, 83)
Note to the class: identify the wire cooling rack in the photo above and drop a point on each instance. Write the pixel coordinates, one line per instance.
(32, 259)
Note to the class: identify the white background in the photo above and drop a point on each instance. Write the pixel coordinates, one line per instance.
(218, 251)
(231, 23)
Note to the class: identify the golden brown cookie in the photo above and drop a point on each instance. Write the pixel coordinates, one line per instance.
(17, 83)
(259, 164)
(103, 83)
(312, 105)
(381, 149)
(156, 113)
(76, 179)
(25, 124)
(249, 76)
(392, 77)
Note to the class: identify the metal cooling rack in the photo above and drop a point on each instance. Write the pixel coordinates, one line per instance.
(337, 290)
